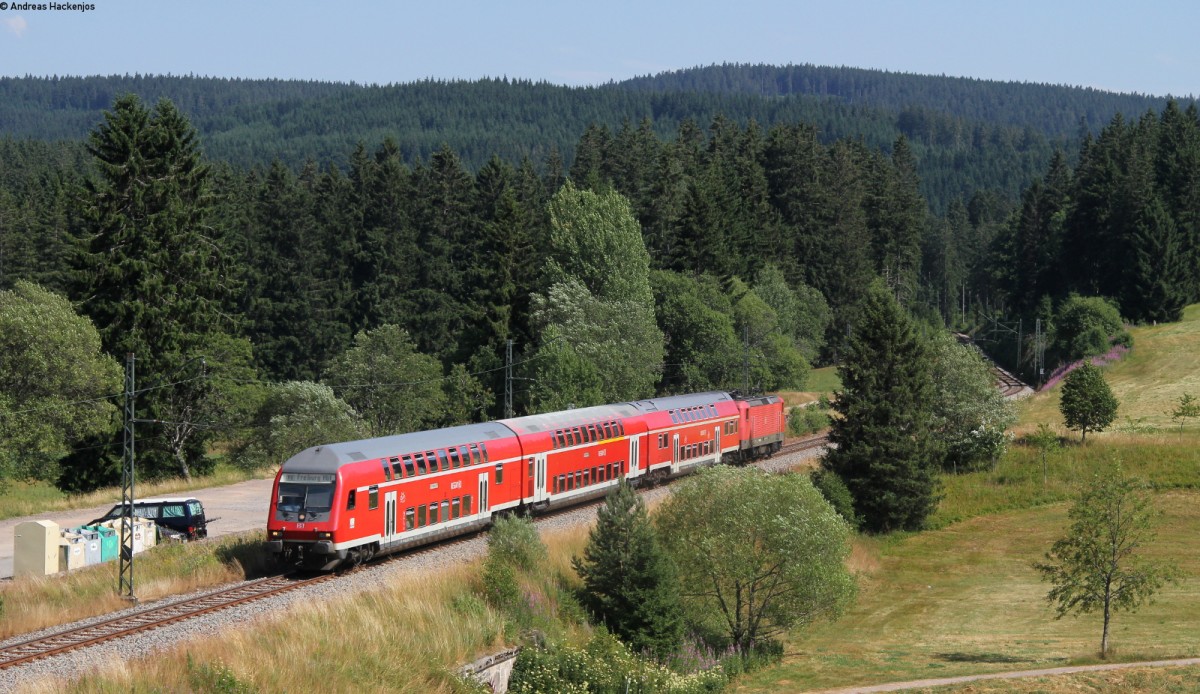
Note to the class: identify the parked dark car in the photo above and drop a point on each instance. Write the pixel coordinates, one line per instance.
(183, 516)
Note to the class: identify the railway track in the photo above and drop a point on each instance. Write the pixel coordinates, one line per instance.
(1009, 385)
(118, 627)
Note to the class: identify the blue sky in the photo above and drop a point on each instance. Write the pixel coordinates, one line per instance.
(1149, 47)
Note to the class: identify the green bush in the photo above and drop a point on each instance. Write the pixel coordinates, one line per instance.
(803, 421)
(603, 666)
(514, 541)
(1086, 326)
(836, 493)
(500, 586)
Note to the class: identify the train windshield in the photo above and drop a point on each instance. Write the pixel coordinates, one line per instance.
(304, 501)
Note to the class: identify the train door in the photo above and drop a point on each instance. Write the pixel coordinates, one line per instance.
(675, 451)
(539, 477)
(389, 516)
(634, 455)
(483, 493)
(717, 441)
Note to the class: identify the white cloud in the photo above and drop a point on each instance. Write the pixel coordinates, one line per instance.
(17, 25)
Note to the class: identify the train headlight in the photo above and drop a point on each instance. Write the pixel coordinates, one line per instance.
(324, 536)
(276, 534)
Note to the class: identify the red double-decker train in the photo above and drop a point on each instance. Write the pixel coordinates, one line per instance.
(348, 502)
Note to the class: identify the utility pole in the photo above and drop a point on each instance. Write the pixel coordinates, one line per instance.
(1039, 352)
(125, 575)
(508, 381)
(746, 360)
(1020, 327)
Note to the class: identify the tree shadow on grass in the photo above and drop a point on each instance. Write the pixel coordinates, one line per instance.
(960, 657)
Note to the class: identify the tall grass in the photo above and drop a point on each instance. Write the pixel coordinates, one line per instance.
(35, 603)
(408, 636)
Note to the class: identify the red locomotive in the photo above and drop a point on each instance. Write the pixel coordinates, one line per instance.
(351, 501)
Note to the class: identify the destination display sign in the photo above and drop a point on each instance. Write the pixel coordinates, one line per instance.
(306, 478)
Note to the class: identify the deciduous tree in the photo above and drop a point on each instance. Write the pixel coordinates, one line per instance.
(1098, 565)
(1088, 404)
(757, 554)
(55, 382)
(971, 416)
(384, 378)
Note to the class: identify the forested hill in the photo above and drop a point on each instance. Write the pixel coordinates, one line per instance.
(1054, 110)
(967, 135)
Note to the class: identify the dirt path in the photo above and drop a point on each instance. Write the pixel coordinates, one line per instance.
(1019, 674)
(236, 508)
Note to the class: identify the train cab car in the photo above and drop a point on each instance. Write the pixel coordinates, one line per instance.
(687, 431)
(762, 424)
(351, 501)
(576, 455)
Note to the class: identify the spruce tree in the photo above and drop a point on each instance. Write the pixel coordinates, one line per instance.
(884, 448)
(629, 584)
(153, 275)
(1158, 274)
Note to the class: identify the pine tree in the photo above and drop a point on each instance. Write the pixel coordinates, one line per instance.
(885, 450)
(1158, 274)
(629, 584)
(153, 276)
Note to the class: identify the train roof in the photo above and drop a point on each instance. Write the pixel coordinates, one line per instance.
(568, 418)
(761, 400)
(675, 402)
(329, 457)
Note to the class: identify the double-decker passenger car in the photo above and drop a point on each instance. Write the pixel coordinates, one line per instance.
(351, 501)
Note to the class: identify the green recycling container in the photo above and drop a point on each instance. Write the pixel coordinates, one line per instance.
(109, 542)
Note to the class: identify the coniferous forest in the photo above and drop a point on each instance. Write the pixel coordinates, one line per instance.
(300, 232)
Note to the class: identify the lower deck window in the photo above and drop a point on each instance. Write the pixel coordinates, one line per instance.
(433, 513)
(420, 516)
(409, 518)
(467, 505)
(455, 508)
(446, 510)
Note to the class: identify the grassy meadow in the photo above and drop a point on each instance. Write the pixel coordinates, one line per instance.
(962, 598)
(822, 381)
(1163, 365)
